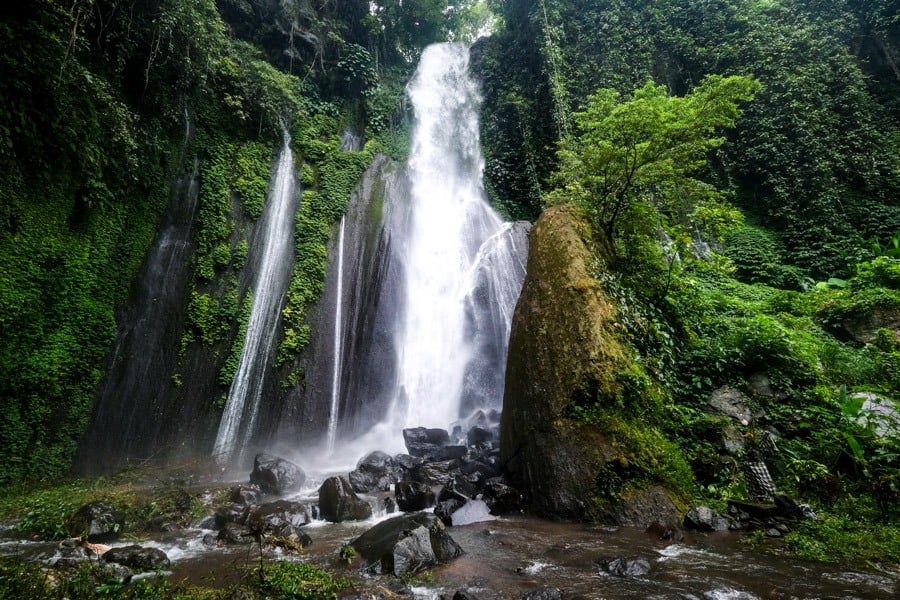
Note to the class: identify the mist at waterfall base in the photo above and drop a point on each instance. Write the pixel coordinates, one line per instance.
(420, 306)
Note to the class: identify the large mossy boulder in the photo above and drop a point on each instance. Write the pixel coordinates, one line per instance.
(576, 433)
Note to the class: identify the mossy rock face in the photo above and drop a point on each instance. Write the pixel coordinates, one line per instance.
(566, 362)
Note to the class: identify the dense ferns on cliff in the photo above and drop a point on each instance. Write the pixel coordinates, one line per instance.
(102, 104)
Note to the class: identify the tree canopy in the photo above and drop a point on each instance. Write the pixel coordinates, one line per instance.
(646, 147)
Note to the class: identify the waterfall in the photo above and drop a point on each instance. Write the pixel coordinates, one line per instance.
(449, 220)
(272, 278)
(429, 277)
(338, 334)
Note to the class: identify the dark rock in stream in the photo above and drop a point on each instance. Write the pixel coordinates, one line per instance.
(235, 533)
(445, 509)
(478, 437)
(246, 494)
(406, 545)
(464, 595)
(375, 472)
(425, 443)
(703, 518)
(621, 567)
(281, 519)
(98, 521)
(138, 558)
(231, 513)
(413, 496)
(276, 475)
(435, 473)
(501, 498)
(543, 594)
(338, 502)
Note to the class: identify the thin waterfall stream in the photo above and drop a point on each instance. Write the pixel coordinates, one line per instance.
(277, 228)
(338, 332)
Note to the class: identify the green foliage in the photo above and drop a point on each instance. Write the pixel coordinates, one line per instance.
(300, 581)
(844, 537)
(646, 146)
(757, 256)
(251, 178)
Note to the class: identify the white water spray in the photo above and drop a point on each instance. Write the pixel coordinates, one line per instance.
(277, 231)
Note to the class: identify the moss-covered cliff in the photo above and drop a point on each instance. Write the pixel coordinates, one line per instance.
(577, 432)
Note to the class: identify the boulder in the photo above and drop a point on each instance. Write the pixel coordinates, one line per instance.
(245, 495)
(732, 403)
(703, 518)
(445, 509)
(338, 502)
(138, 558)
(566, 356)
(235, 533)
(231, 513)
(425, 443)
(281, 519)
(630, 568)
(276, 475)
(98, 521)
(501, 498)
(413, 496)
(880, 412)
(375, 472)
(479, 437)
(435, 473)
(406, 545)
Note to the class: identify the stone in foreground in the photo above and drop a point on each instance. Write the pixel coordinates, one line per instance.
(406, 545)
(276, 475)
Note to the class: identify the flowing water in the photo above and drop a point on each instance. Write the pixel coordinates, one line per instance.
(239, 417)
(334, 414)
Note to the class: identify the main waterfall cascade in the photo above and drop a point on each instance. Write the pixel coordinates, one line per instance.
(424, 339)
(236, 427)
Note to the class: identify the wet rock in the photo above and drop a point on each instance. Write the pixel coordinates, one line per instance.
(231, 513)
(449, 453)
(163, 524)
(413, 496)
(553, 459)
(138, 558)
(209, 539)
(631, 568)
(732, 403)
(425, 443)
(445, 509)
(464, 595)
(235, 533)
(276, 475)
(338, 502)
(543, 594)
(406, 545)
(663, 532)
(641, 507)
(773, 532)
(375, 472)
(407, 462)
(389, 505)
(703, 518)
(479, 437)
(484, 470)
(245, 495)
(434, 473)
(98, 521)
(281, 519)
(501, 498)
(208, 522)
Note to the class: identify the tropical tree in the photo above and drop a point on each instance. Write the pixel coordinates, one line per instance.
(645, 149)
